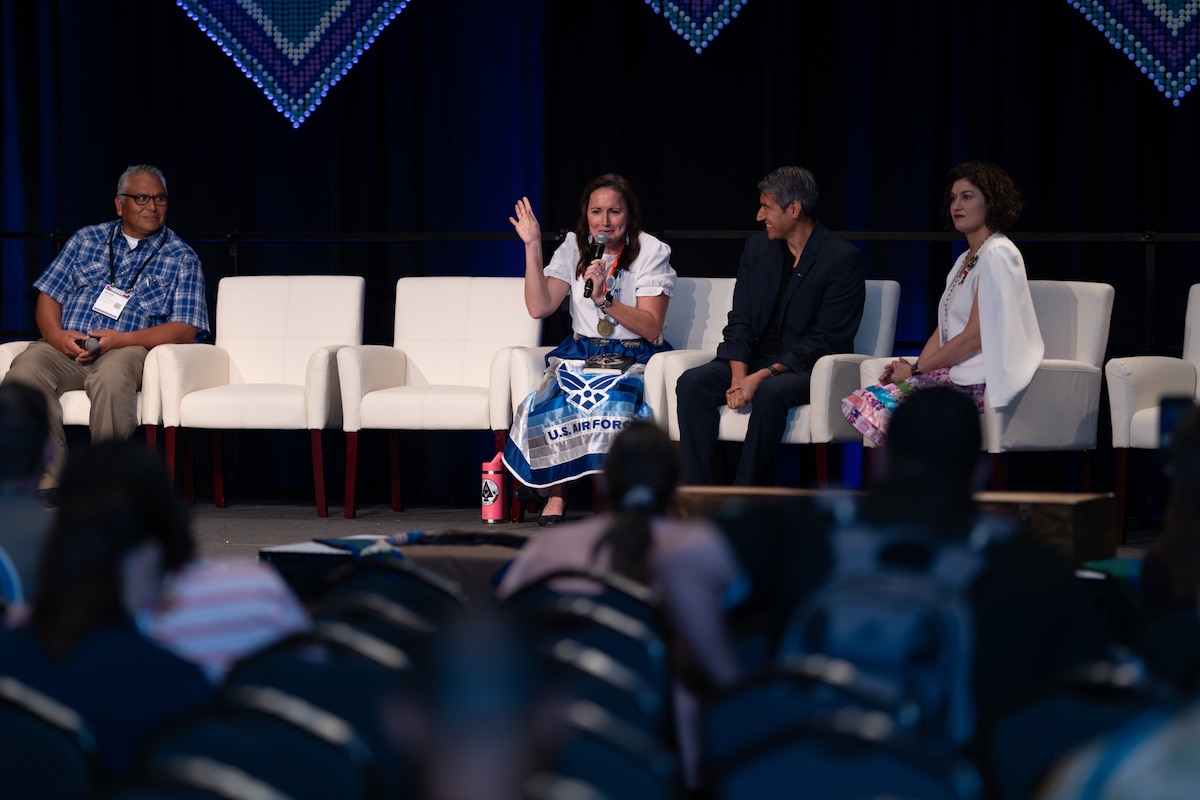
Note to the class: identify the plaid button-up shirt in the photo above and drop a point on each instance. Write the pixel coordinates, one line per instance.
(170, 288)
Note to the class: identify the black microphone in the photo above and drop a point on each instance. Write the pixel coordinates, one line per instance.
(598, 252)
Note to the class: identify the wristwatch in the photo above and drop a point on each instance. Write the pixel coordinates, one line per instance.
(608, 301)
(771, 369)
(916, 369)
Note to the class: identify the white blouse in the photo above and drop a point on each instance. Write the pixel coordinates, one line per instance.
(1012, 346)
(651, 274)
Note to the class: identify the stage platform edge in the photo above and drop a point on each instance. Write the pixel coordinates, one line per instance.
(1082, 526)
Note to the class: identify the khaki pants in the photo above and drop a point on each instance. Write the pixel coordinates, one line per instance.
(111, 382)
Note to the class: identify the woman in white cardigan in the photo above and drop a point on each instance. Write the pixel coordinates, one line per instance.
(987, 337)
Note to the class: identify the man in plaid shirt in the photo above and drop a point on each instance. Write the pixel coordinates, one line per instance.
(116, 290)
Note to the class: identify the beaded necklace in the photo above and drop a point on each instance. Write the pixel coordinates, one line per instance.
(968, 264)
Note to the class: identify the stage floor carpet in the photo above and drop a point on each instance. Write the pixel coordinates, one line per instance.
(243, 528)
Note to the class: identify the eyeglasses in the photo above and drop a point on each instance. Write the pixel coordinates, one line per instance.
(142, 199)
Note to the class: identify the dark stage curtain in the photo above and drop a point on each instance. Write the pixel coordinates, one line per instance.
(461, 107)
(880, 100)
(437, 129)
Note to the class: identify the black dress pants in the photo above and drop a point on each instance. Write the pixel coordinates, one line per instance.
(700, 393)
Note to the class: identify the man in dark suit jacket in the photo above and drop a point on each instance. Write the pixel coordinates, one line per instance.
(799, 296)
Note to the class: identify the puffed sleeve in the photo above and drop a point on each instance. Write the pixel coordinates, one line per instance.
(654, 274)
(563, 262)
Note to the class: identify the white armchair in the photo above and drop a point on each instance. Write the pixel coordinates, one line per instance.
(820, 422)
(447, 369)
(77, 408)
(1136, 387)
(1061, 406)
(273, 365)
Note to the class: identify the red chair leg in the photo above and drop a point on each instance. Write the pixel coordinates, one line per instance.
(218, 472)
(169, 452)
(394, 453)
(152, 437)
(1121, 455)
(351, 473)
(999, 472)
(318, 466)
(189, 465)
(822, 455)
(868, 466)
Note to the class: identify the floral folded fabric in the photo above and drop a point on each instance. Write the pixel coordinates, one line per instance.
(870, 410)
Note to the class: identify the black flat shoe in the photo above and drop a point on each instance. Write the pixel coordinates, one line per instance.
(547, 520)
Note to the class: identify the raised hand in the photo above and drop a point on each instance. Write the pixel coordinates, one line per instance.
(526, 222)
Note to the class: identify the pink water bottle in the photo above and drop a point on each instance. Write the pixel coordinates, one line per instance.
(492, 496)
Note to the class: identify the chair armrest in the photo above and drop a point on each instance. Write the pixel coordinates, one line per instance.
(656, 387)
(150, 412)
(186, 368)
(1059, 410)
(366, 368)
(500, 400)
(833, 377)
(9, 351)
(322, 390)
(869, 370)
(1137, 383)
(526, 370)
(674, 364)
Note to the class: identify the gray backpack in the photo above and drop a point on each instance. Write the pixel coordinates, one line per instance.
(895, 609)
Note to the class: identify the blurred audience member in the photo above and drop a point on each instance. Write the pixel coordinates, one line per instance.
(119, 527)
(1171, 570)
(25, 450)
(488, 723)
(1031, 619)
(686, 561)
(1152, 755)
(216, 612)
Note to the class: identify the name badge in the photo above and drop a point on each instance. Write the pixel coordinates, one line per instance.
(111, 302)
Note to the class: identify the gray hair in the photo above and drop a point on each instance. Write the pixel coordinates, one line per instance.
(792, 183)
(139, 169)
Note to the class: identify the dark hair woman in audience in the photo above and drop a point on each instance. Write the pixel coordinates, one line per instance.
(118, 528)
(618, 280)
(685, 561)
(987, 335)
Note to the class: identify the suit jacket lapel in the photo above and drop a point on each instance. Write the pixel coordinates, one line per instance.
(800, 271)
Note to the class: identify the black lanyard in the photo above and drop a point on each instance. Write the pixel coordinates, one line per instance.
(112, 262)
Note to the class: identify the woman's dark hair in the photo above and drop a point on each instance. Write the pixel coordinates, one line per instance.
(1180, 541)
(641, 471)
(633, 219)
(114, 496)
(1004, 203)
